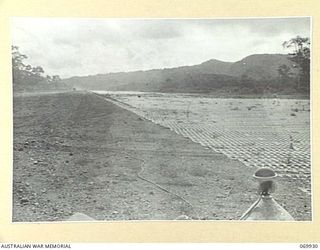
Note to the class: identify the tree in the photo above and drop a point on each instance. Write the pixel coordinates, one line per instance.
(27, 77)
(283, 71)
(17, 58)
(301, 56)
(37, 71)
(18, 66)
(285, 76)
(56, 78)
(24, 76)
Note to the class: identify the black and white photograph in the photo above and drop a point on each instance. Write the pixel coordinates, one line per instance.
(156, 119)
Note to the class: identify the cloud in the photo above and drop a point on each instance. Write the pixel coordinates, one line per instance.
(69, 47)
(261, 26)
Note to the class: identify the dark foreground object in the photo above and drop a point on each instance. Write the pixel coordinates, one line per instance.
(266, 208)
(74, 152)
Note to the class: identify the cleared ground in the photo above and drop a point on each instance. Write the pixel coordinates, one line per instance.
(272, 133)
(76, 152)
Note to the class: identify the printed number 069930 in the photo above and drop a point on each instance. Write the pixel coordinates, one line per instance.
(308, 245)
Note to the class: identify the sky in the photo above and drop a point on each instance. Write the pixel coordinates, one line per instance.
(78, 47)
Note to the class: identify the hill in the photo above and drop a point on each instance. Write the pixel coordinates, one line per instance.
(253, 74)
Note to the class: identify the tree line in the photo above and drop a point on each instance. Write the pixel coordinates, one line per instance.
(28, 77)
(300, 56)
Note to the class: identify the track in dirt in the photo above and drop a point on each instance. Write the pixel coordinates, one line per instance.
(72, 154)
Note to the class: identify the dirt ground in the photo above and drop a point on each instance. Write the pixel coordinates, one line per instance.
(75, 152)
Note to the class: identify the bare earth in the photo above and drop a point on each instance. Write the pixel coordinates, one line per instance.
(75, 152)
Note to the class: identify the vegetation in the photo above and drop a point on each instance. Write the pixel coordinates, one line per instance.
(258, 75)
(30, 78)
(261, 75)
(300, 54)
